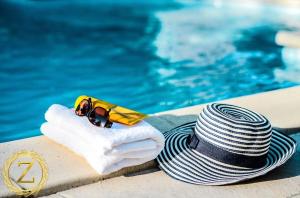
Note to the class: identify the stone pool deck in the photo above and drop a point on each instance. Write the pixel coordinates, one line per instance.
(71, 176)
(289, 39)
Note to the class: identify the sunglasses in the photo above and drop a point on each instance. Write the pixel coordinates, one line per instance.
(98, 116)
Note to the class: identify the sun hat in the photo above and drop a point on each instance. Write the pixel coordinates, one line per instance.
(227, 144)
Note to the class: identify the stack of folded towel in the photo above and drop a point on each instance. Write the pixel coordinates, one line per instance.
(106, 150)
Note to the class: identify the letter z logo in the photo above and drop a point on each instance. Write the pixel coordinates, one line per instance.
(29, 166)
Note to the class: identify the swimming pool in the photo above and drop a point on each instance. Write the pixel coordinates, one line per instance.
(149, 57)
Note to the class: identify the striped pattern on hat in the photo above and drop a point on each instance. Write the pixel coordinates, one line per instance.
(236, 131)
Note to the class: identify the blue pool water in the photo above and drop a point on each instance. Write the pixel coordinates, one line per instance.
(149, 57)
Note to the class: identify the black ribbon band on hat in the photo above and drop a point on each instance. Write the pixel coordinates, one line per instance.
(223, 155)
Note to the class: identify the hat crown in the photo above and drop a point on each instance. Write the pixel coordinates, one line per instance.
(234, 129)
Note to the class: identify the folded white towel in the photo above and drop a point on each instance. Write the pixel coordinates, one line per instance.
(106, 150)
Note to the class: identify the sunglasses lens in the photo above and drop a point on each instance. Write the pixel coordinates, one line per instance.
(83, 108)
(98, 116)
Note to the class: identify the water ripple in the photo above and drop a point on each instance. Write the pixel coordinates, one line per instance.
(152, 59)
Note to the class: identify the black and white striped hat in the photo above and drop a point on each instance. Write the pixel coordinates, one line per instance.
(227, 144)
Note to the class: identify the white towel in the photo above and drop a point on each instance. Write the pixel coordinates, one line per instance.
(106, 150)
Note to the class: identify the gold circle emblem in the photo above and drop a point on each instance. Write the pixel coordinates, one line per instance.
(25, 173)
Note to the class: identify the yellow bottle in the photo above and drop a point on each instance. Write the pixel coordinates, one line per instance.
(117, 114)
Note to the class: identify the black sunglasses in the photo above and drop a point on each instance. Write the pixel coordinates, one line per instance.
(98, 116)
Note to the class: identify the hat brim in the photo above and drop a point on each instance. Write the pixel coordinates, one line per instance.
(188, 165)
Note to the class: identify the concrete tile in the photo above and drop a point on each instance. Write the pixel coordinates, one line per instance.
(66, 169)
(282, 182)
(54, 196)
